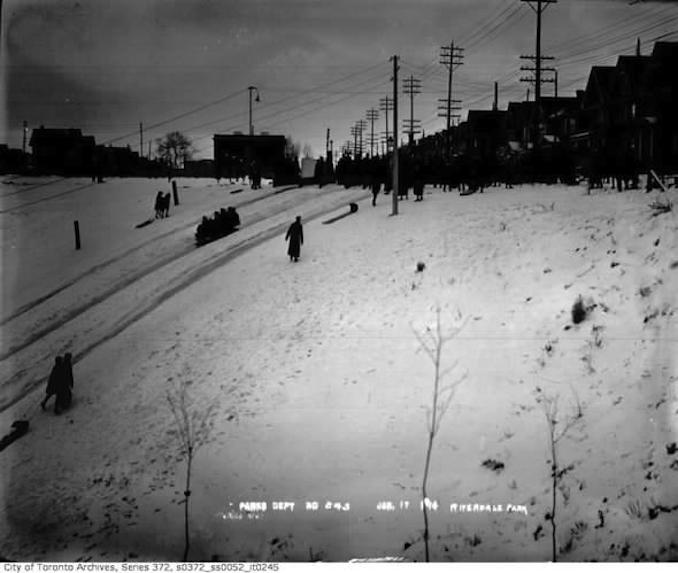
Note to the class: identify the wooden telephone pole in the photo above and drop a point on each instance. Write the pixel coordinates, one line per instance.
(411, 87)
(372, 116)
(395, 136)
(538, 6)
(450, 57)
(386, 105)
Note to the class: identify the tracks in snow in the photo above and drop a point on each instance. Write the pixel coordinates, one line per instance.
(115, 300)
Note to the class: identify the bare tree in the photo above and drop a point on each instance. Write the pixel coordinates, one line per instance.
(550, 405)
(432, 344)
(194, 424)
(174, 149)
(292, 148)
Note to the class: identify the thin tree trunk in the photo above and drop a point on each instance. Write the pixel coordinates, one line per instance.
(187, 494)
(554, 473)
(431, 436)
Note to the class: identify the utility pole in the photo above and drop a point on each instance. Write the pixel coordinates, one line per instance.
(372, 116)
(539, 8)
(328, 147)
(357, 133)
(141, 139)
(386, 105)
(495, 103)
(251, 89)
(346, 148)
(451, 58)
(149, 150)
(354, 134)
(411, 87)
(394, 191)
(362, 124)
(23, 147)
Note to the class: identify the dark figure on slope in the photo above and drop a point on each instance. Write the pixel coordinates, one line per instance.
(158, 205)
(233, 219)
(295, 234)
(376, 187)
(53, 382)
(64, 394)
(166, 205)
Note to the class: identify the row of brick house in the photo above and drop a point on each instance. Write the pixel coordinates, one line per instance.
(56, 151)
(625, 118)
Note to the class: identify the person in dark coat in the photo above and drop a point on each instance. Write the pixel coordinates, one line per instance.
(295, 234)
(419, 189)
(64, 394)
(166, 205)
(158, 205)
(233, 218)
(68, 369)
(376, 187)
(54, 382)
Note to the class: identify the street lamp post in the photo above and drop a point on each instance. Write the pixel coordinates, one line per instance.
(251, 89)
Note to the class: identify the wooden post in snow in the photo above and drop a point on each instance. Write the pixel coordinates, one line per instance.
(76, 227)
(175, 193)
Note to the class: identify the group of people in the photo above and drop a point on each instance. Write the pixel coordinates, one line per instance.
(222, 223)
(60, 384)
(162, 205)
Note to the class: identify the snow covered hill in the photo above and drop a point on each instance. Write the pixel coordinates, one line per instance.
(323, 390)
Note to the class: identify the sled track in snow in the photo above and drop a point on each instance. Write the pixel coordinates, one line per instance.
(100, 266)
(26, 379)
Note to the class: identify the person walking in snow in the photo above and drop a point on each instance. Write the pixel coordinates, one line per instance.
(158, 205)
(295, 235)
(64, 390)
(68, 369)
(376, 187)
(166, 204)
(54, 383)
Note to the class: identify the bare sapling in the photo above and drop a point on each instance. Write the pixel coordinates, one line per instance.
(194, 424)
(550, 405)
(432, 344)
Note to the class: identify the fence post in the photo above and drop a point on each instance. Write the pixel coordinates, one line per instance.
(175, 193)
(76, 226)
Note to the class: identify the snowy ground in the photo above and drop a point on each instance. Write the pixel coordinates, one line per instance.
(320, 383)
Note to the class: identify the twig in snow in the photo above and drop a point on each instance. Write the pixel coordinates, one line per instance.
(432, 344)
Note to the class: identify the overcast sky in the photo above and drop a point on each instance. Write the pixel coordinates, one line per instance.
(104, 66)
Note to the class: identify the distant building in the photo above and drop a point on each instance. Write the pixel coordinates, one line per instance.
(484, 132)
(12, 160)
(116, 161)
(199, 168)
(62, 151)
(237, 152)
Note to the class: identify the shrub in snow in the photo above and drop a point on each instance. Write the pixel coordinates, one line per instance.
(558, 427)
(659, 207)
(578, 311)
(420, 267)
(494, 465)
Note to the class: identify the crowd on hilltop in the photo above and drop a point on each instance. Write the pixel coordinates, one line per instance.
(421, 165)
(222, 223)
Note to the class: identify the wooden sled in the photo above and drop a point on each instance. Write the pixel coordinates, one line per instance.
(353, 208)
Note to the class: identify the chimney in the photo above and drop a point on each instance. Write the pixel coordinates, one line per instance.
(638, 47)
(496, 96)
